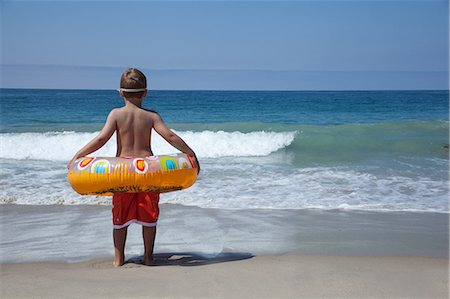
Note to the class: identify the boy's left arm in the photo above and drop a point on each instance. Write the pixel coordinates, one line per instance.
(161, 128)
(100, 140)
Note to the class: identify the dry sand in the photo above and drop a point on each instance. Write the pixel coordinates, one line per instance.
(328, 254)
(233, 276)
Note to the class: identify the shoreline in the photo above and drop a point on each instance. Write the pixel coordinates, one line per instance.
(66, 252)
(233, 276)
(82, 233)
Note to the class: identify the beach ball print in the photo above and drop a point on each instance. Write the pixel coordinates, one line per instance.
(183, 163)
(168, 163)
(100, 167)
(84, 163)
(140, 165)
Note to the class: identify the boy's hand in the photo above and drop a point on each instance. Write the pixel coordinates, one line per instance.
(197, 165)
(71, 162)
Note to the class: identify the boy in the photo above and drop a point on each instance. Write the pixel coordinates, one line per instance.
(133, 126)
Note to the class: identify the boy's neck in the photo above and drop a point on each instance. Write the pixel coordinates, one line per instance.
(133, 102)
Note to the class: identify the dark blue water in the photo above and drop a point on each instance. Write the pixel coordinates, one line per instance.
(58, 109)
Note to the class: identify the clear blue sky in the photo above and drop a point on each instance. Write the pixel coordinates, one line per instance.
(282, 40)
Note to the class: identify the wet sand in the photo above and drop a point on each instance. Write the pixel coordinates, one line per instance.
(82, 233)
(66, 252)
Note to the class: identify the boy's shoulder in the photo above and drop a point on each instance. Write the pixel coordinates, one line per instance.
(152, 114)
(150, 111)
(121, 110)
(118, 114)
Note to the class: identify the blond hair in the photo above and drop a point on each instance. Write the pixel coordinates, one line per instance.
(133, 79)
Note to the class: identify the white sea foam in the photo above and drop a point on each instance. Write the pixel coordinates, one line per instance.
(238, 172)
(61, 146)
(264, 187)
(246, 183)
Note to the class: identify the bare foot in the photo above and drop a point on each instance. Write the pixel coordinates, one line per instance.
(118, 263)
(149, 262)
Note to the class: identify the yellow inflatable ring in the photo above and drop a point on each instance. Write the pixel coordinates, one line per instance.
(105, 176)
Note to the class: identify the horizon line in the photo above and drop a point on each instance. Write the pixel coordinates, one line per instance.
(210, 70)
(233, 90)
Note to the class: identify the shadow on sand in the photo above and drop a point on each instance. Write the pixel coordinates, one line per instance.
(192, 259)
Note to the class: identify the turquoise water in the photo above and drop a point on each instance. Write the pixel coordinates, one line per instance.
(370, 150)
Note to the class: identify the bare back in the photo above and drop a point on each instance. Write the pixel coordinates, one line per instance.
(134, 128)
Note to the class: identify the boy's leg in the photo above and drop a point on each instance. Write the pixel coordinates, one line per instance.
(148, 212)
(148, 234)
(123, 212)
(120, 236)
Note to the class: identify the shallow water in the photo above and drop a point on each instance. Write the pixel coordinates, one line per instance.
(354, 150)
(80, 233)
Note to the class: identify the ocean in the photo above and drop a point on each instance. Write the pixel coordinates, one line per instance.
(300, 150)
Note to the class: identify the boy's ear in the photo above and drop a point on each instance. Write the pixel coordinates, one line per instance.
(144, 95)
(121, 93)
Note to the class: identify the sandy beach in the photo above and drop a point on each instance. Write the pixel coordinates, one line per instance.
(233, 276)
(66, 252)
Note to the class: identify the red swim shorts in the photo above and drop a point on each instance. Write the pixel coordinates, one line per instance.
(141, 208)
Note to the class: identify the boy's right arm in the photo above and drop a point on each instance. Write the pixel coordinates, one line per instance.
(172, 138)
(100, 140)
